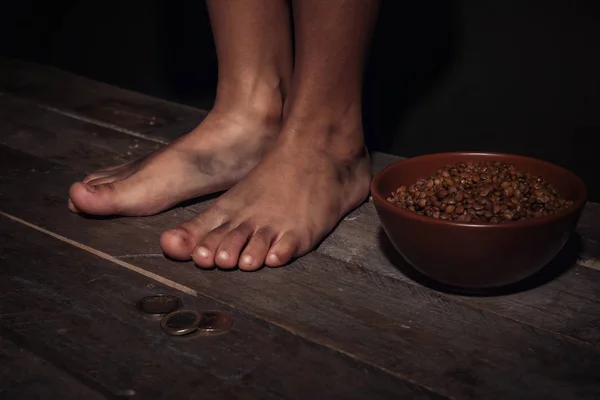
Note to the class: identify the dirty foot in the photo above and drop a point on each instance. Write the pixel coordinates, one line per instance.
(283, 208)
(211, 158)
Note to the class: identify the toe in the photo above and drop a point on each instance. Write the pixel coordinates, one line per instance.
(231, 246)
(253, 256)
(104, 199)
(180, 243)
(134, 195)
(205, 253)
(282, 251)
(72, 207)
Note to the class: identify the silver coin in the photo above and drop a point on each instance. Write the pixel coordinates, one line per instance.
(159, 304)
(213, 322)
(180, 322)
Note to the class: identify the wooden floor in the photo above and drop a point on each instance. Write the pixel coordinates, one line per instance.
(348, 321)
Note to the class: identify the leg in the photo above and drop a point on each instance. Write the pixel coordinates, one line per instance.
(318, 169)
(253, 43)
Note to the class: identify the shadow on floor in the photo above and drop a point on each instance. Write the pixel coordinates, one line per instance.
(565, 259)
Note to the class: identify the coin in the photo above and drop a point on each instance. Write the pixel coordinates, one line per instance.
(180, 322)
(159, 304)
(214, 322)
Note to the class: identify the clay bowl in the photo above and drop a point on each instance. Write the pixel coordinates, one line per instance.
(475, 255)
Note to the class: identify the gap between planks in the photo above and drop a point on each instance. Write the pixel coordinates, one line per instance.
(185, 289)
(108, 257)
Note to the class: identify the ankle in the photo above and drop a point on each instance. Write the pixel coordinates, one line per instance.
(335, 129)
(251, 100)
(336, 142)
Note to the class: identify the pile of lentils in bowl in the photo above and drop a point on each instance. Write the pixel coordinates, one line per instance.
(489, 192)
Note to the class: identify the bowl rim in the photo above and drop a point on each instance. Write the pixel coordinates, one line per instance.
(378, 197)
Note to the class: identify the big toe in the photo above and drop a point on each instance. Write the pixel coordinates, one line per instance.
(103, 199)
(178, 244)
(72, 207)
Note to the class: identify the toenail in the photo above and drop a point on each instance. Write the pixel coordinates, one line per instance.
(223, 256)
(179, 232)
(90, 188)
(203, 252)
(273, 258)
(247, 259)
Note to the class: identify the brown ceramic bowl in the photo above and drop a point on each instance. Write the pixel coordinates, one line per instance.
(475, 255)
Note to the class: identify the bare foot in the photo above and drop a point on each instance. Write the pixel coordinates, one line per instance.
(283, 208)
(211, 158)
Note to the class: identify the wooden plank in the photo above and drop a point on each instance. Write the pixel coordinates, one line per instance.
(406, 330)
(566, 305)
(394, 269)
(29, 127)
(78, 311)
(129, 112)
(23, 375)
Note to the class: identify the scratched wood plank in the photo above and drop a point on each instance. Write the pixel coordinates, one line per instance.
(567, 305)
(406, 330)
(127, 111)
(29, 127)
(23, 375)
(77, 310)
(510, 304)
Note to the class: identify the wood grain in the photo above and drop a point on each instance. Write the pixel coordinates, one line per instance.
(462, 347)
(562, 298)
(81, 98)
(78, 311)
(23, 375)
(413, 333)
(26, 126)
(567, 305)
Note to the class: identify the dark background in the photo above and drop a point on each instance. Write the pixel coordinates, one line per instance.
(497, 75)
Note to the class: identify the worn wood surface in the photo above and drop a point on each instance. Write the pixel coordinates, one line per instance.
(352, 301)
(358, 239)
(29, 127)
(413, 333)
(24, 375)
(127, 112)
(82, 318)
